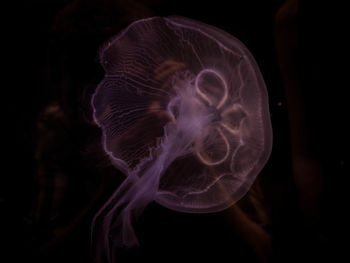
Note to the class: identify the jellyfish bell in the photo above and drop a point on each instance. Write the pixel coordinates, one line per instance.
(183, 110)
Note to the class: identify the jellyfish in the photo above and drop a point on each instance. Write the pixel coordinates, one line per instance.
(184, 113)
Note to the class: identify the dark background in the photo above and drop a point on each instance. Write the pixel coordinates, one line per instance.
(56, 177)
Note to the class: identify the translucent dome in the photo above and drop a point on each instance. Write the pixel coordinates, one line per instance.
(184, 113)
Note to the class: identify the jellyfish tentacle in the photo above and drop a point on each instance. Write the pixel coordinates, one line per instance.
(115, 196)
(171, 108)
(130, 198)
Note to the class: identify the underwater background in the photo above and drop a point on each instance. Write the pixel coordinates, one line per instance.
(56, 175)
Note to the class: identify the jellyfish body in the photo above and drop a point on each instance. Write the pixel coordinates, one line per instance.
(184, 113)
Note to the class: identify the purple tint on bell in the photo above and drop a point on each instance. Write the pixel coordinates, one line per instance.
(184, 113)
